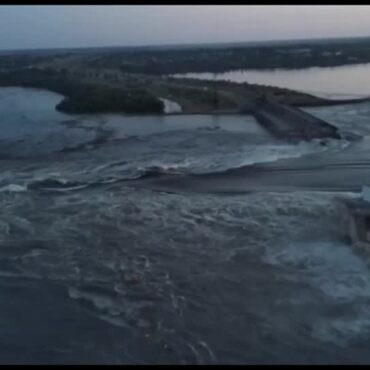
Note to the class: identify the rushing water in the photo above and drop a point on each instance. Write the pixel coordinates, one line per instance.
(342, 82)
(97, 270)
(171, 106)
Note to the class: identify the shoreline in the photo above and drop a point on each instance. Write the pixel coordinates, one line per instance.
(235, 112)
(82, 95)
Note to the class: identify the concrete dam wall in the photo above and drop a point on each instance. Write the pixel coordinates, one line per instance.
(287, 122)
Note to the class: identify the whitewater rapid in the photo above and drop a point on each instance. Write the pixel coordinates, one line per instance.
(127, 275)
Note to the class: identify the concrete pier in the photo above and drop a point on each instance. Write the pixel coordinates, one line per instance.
(287, 122)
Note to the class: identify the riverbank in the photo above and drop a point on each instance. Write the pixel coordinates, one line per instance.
(83, 96)
(342, 82)
(139, 94)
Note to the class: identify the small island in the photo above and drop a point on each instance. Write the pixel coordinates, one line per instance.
(84, 97)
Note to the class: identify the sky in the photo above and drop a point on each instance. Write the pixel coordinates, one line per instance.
(58, 26)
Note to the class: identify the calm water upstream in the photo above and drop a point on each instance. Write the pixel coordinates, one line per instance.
(339, 82)
(95, 269)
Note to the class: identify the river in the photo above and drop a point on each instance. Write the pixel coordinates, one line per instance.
(100, 267)
(343, 82)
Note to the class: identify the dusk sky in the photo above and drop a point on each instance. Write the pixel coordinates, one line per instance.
(52, 26)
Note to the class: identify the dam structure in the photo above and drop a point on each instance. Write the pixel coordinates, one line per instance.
(288, 122)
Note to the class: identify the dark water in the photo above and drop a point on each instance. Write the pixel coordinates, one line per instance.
(100, 265)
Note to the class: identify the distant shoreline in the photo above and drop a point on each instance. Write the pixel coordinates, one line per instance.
(220, 45)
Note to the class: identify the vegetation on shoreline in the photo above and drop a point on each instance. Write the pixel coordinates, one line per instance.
(131, 81)
(227, 58)
(83, 97)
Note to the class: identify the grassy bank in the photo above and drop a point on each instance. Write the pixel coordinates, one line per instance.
(83, 97)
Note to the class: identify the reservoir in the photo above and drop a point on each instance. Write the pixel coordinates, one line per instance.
(344, 82)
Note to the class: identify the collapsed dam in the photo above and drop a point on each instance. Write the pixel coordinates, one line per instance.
(287, 122)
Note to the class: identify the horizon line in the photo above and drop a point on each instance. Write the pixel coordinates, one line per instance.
(190, 45)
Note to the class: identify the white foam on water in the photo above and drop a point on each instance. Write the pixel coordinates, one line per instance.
(248, 155)
(171, 106)
(13, 188)
(332, 267)
(342, 276)
(342, 331)
(274, 152)
(171, 166)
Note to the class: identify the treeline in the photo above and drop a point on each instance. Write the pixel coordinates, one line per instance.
(165, 62)
(82, 97)
(13, 60)
(95, 99)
